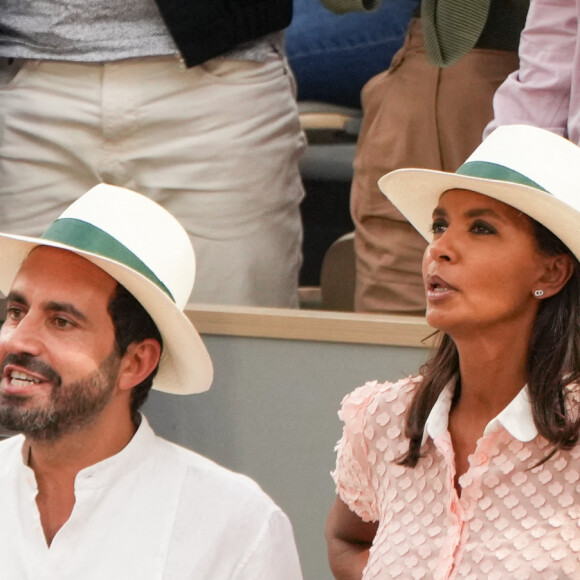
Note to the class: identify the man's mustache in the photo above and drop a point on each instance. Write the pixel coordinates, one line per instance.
(32, 364)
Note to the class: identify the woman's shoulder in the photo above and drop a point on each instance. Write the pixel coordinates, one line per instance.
(373, 397)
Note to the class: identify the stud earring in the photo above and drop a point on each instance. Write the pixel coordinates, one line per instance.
(538, 293)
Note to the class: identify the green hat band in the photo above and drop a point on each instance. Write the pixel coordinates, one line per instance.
(488, 170)
(88, 238)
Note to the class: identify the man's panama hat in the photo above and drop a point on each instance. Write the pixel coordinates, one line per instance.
(145, 249)
(531, 169)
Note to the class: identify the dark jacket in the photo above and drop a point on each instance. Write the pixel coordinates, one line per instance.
(203, 29)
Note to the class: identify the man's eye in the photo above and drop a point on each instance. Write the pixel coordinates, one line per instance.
(438, 226)
(62, 322)
(14, 313)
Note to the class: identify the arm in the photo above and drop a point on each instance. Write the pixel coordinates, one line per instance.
(539, 92)
(272, 554)
(344, 6)
(351, 524)
(349, 539)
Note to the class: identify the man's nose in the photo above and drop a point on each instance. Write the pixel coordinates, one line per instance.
(21, 337)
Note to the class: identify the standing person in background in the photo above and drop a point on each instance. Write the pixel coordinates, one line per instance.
(334, 55)
(188, 102)
(428, 110)
(545, 90)
(470, 469)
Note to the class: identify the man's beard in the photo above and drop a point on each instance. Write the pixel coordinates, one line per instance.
(69, 408)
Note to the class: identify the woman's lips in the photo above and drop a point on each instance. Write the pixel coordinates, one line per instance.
(437, 288)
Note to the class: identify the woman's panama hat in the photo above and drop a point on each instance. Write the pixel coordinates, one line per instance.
(531, 169)
(145, 249)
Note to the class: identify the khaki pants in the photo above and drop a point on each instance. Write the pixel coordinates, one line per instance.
(218, 145)
(415, 115)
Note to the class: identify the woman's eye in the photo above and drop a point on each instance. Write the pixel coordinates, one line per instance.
(483, 228)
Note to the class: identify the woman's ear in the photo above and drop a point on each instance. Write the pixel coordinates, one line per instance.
(138, 363)
(558, 271)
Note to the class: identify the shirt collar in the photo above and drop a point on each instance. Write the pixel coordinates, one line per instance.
(516, 418)
(134, 453)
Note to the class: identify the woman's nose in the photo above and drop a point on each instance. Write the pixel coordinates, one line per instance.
(442, 249)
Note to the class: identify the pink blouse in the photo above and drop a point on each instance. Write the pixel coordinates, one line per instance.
(511, 520)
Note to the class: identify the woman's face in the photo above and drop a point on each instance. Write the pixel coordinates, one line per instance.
(482, 267)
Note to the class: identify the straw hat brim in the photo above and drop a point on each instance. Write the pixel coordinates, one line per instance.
(185, 366)
(416, 192)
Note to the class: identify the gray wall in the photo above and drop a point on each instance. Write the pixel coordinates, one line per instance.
(271, 413)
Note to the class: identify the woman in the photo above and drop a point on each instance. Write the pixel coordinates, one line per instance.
(471, 469)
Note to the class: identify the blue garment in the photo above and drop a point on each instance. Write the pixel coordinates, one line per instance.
(334, 55)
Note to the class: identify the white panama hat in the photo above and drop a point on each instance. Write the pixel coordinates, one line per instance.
(531, 169)
(145, 249)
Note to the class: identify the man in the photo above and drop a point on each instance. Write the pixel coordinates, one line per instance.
(94, 318)
(190, 102)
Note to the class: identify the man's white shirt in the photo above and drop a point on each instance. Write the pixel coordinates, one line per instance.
(154, 511)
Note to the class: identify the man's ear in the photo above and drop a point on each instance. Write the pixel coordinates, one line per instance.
(138, 363)
(558, 271)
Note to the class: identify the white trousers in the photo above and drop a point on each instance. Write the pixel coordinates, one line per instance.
(218, 145)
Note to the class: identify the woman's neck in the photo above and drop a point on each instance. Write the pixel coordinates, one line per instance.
(493, 371)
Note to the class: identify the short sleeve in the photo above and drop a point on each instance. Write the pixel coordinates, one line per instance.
(353, 473)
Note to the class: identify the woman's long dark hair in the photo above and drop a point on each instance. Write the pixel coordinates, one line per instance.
(553, 364)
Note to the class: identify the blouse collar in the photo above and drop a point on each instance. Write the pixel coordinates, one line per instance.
(516, 418)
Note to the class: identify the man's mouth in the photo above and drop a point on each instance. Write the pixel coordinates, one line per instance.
(24, 371)
(21, 379)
